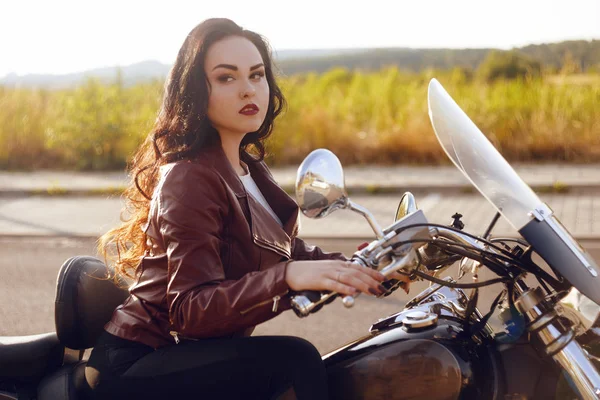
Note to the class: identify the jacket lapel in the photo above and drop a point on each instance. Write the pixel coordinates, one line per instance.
(266, 232)
(282, 204)
(265, 229)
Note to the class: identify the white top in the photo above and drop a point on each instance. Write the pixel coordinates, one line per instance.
(251, 187)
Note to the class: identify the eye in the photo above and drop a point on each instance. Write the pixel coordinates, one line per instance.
(225, 78)
(258, 75)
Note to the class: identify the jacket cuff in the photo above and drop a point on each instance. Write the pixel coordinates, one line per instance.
(281, 286)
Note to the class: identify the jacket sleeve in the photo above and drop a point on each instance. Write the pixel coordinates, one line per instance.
(303, 251)
(202, 303)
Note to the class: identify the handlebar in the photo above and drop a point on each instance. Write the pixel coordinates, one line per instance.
(403, 231)
(309, 301)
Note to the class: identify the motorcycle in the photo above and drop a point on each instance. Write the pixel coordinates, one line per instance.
(440, 346)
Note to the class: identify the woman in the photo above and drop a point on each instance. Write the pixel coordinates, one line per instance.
(211, 245)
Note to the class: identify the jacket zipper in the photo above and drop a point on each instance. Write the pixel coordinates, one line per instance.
(177, 337)
(275, 301)
(270, 246)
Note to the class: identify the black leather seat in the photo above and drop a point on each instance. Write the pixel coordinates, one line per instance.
(85, 300)
(28, 358)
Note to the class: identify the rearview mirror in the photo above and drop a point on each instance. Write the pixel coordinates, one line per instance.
(408, 205)
(320, 187)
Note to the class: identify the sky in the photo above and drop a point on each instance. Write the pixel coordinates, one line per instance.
(63, 36)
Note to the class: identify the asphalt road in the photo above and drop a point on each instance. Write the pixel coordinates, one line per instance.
(29, 267)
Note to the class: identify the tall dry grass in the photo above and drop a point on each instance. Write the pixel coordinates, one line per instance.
(364, 117)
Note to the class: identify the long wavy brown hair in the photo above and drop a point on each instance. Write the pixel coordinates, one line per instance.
(181, 129)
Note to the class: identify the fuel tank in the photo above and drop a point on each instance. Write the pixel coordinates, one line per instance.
(438, 361)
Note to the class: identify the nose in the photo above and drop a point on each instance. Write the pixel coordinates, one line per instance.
(247, 91)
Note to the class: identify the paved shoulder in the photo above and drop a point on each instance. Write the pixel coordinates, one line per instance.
(92, 216)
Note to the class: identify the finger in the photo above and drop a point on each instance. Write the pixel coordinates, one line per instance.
(367, 278)
(341, 288)
(362, 282)
(375, 287)
(406, 287)
(371, 272)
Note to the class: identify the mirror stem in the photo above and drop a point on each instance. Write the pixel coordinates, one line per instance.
(367, 214)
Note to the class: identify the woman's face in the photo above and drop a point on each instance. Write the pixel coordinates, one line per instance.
(239, 92)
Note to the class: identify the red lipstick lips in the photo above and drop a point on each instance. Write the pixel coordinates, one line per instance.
(249, 109)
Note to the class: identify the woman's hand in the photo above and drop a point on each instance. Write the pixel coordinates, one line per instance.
(344, 277)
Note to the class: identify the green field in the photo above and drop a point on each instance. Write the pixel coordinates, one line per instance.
(364, 117)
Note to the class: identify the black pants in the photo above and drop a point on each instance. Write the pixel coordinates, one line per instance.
(261, 367)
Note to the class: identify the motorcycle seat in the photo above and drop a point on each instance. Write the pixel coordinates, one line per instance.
(29, 357)
(86, 296)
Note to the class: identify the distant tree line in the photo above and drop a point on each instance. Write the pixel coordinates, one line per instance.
(577, 56)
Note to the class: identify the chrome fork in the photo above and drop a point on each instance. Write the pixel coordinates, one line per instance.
(556, 335)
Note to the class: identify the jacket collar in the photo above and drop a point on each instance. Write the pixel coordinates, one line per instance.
(214, 155)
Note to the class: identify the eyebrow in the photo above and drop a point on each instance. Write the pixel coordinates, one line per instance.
(234, 68)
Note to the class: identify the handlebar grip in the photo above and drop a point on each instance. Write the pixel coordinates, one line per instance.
(310, 301)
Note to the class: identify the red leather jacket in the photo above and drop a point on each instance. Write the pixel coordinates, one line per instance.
(218, 259)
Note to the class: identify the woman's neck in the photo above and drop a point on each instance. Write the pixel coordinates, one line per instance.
(231, 148)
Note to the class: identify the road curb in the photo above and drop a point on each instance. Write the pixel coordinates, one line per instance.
(41, 236)
(354, 237)
(371, 189)
(50, 192)
(585, 238)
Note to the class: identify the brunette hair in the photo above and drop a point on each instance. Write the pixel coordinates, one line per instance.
(181, 129)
